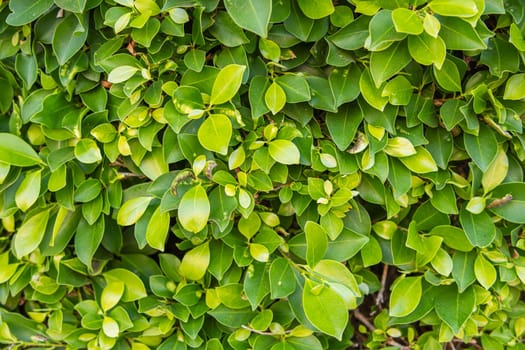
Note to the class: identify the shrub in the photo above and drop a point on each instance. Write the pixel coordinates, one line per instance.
(257, 174)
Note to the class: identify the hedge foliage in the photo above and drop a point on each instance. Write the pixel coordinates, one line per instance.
(262, 174)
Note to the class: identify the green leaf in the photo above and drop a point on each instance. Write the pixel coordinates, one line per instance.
(399, 147)
(485, 272)
(295, 87)
(275, 98)
(26, 68)
(15, 151)
(88, 239)
(448, 76)
(215, 133)
(69, 38)
(195, 262)
(482, 148)
(353, 36)
(76, 6)
(343, 125)
(132, 210)
(134, 287)
(515, 87)
(386, 63)
(30, 234)
(459, 35)
(227, 82)
(455, 308)
(398, 90)
(382, 31)
(282, 280)
(316, 9)
(479, 228)
(453, 237)
(465, 8)
(509, 201)
(406, 295)
(407, 21)
(252, 15)
(500, 57)
(284, 151)
(325, 309)
(145, 35)
(158, 229)
(463, 269)
(256, 283)
(26, 11)
(316, 242)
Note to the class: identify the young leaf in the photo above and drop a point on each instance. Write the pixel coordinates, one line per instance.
(406, 295)
(284, 151)
(324, 308)
(30, 234)
(316, 9)
(227, 83)
(275, 98)
(194, 209)
(28, 191)
(134, 287)
(132, 210)
(158, 229)
(195, 262)
(485, 272)
(215, 133)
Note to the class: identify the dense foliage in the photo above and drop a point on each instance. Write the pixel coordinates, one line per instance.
(262, 174)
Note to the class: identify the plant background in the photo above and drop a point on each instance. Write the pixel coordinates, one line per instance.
(262, 174)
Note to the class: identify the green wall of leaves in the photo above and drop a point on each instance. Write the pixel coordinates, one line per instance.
(262, 174)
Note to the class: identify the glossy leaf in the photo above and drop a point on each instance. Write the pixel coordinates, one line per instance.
(227, 83)
(215, 133)
(15, 151)
(194, 209)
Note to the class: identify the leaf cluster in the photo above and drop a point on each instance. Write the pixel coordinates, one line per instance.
(262, 174)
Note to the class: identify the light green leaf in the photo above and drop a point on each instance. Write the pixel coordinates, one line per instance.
(515, 87)
(252, 15)
(464, 8)
(399, 147)
(121, 73)
(407, 21)
(324, 308)
(15, 151)
(284, 151)
(87, 151)
(194, 209)
(295, 87)
(275, 98)
(398, 90)
(132, 210)
(406, 295)
(110, 327)
(485, 272)
(111, 295)
(29, 189)
(282, 279)
(370, 92)
(195, 262)
(455, 308)
(26, 11)
(427, 50)
(496, 171)
(421, 162)
(382, 31)
(158, 229)
(215, 133)
(30, 234)
(431, 25)
(227, 83)
(316, 9)
(316, 242)
(134, 287)
(88, 238)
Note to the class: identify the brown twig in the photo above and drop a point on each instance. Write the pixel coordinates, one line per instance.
(380, 294)
(362, 318)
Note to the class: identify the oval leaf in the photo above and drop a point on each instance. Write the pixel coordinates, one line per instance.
(15, 151)
(194, 209)
(215, 133)
(226, 84)
(195, 262)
